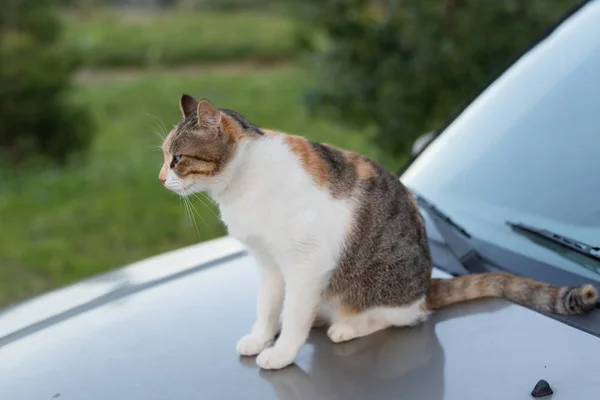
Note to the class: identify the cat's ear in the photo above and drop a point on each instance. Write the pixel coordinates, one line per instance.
(208, 114)
(188, 105)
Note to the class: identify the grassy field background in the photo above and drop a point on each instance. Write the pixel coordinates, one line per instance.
(59, 226)
(107, 38)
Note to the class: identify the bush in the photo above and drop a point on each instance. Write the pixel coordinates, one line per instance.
(406, 66)
(36, 115)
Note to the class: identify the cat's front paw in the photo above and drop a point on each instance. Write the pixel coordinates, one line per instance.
(275, 358)
(251, 345)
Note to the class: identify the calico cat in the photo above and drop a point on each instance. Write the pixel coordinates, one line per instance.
(337, 237)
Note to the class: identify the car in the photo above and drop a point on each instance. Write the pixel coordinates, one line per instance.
(509, 184)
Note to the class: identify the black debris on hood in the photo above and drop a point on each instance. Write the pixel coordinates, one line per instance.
(542, 389)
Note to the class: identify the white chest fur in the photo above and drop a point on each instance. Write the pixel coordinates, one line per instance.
(276, 206)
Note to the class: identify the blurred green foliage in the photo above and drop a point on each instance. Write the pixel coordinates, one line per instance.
(37, 118)
(230, 5)
(113, 38)
(224, 5)
(406, 66)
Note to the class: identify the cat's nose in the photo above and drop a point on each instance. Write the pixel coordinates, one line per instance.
(162, 175)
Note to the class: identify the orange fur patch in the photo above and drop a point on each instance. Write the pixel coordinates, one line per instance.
(270, 132)
(231, 128)
(167, 141)
(162, 175)
(347, 311)
(204, 169)
(364, 169)
(309, 158)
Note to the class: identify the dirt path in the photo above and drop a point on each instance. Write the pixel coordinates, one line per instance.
(112, 75)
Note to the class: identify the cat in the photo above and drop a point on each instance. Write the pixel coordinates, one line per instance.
(337, 237)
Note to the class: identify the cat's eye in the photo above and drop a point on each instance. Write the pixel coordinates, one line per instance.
(176, 159)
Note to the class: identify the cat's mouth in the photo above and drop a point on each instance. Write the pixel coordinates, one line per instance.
(179, 186)
(182, 189)
(175, 184)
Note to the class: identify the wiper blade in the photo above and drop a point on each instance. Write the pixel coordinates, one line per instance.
(575, 245)
(457, 240)
(441, 215)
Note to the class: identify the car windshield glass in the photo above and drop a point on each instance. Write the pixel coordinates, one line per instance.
(528, 150)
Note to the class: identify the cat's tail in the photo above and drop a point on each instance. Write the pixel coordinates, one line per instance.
(524, 291)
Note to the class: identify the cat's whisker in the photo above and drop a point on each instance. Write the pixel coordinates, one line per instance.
(205, 205)
(194, 208)
(191, 216)
(161, 136)
(162, 127)
(187, 211)
(207, 198)
(185, 208)
(190, 206)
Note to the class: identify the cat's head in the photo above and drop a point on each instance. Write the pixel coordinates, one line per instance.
(202, 145)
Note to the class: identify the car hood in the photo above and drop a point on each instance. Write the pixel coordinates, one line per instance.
(166, 328)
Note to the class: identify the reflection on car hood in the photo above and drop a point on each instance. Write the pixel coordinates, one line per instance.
(164, 335)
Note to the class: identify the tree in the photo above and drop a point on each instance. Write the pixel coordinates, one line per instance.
(37, 116)
(405, 66)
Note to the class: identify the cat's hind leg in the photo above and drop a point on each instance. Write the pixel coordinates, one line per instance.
(355, 326)
(347, 325)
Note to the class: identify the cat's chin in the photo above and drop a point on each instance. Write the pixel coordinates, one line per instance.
(182, 189)
(192, 188)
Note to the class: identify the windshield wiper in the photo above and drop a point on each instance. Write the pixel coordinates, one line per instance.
(456, 238)
(440, 214)
(575, 245)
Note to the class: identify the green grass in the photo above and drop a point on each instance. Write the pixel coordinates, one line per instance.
(61, 226)
(113, 38)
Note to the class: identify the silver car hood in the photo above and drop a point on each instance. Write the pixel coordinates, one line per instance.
(166, 328)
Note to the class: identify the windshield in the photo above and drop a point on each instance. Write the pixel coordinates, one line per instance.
(528, 150)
